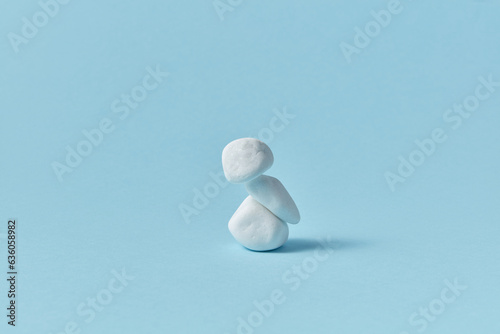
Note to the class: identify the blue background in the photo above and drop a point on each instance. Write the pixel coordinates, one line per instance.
(120, 207)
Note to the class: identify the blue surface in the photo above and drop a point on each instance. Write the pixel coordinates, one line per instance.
(393, 254)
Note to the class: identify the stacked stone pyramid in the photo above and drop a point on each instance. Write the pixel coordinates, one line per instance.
(260, 223)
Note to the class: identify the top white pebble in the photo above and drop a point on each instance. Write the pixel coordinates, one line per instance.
(245, 159)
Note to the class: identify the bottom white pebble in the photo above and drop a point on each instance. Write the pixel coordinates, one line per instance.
(256, 228)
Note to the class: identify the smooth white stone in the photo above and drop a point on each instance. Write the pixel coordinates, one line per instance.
(245, 159)
(271, 193)
(256, 228)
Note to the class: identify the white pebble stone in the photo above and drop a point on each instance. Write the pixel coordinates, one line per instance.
(271, 193)
(256, 228)
(245, 159)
